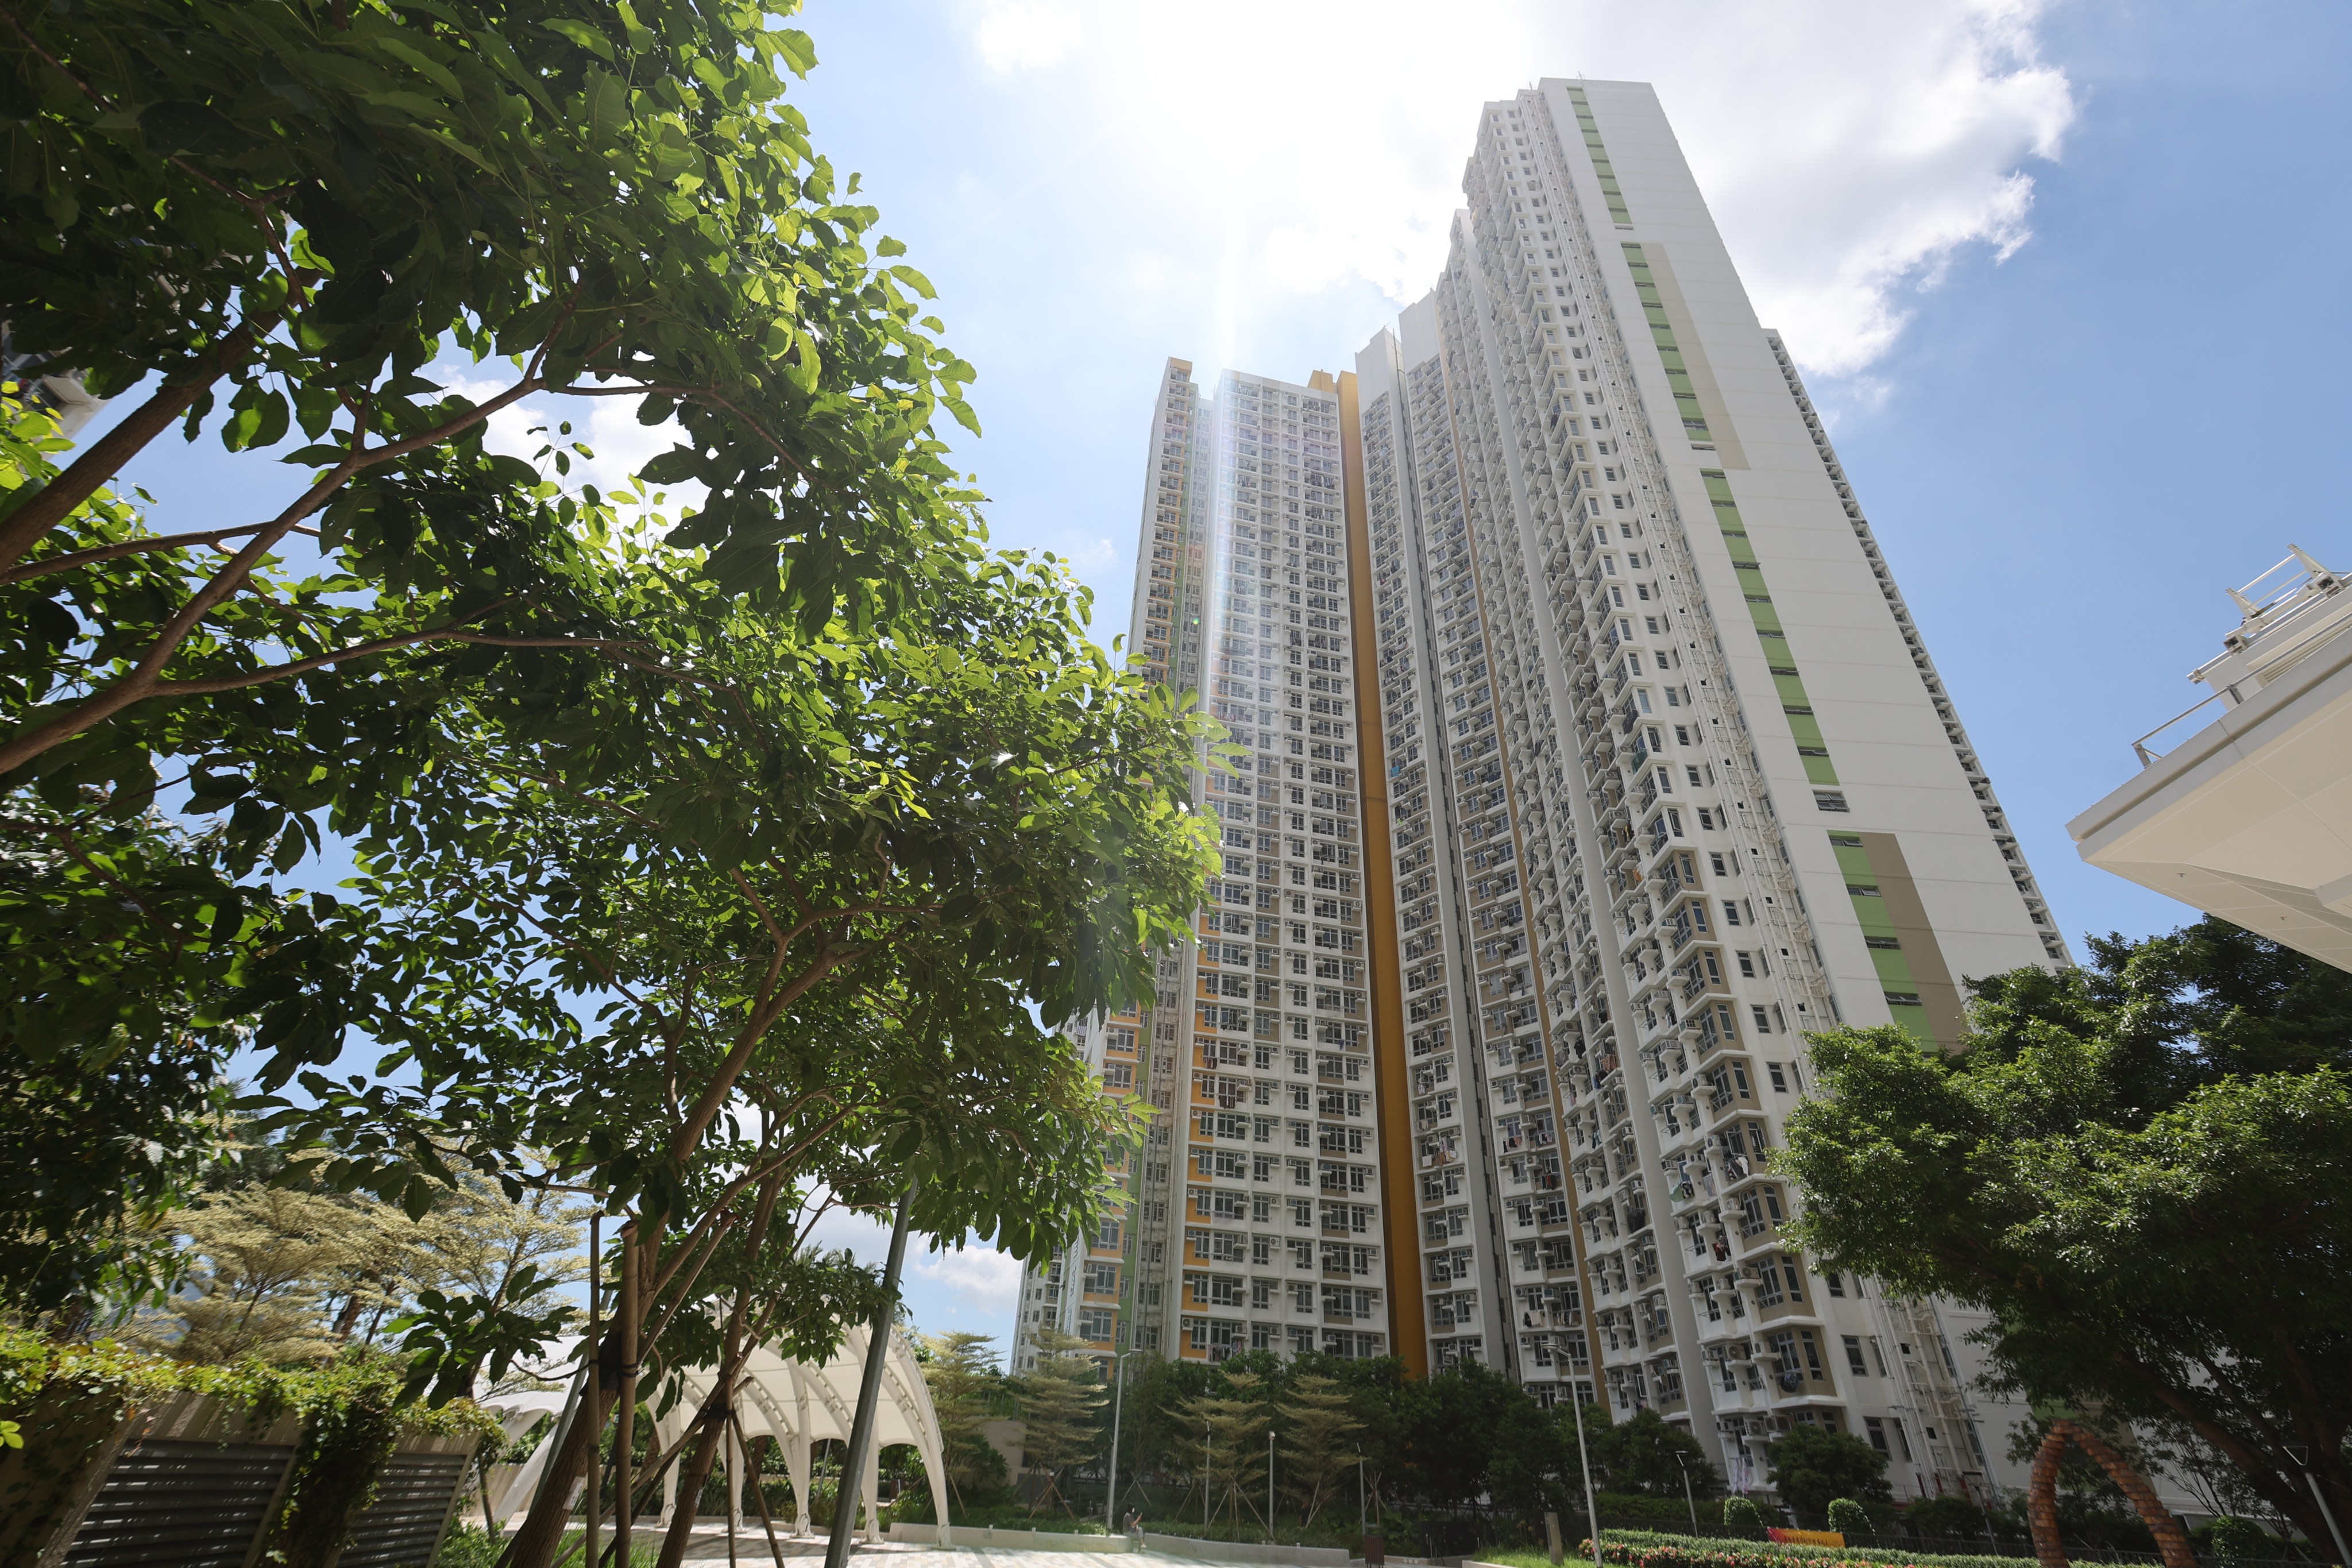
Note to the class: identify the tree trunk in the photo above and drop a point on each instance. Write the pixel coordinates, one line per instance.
(694, 1471)
(535, 1544)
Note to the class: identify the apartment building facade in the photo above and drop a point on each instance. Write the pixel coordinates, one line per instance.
(1650, 775)
(1256, 1213)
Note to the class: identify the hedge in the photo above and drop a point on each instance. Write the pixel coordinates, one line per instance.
(1643, 1548)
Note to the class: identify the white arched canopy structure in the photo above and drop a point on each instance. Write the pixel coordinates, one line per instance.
(799, 1404)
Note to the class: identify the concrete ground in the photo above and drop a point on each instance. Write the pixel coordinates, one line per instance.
(751, 1549)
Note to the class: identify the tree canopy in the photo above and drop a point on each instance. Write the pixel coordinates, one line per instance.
(2140, 1168)
(1812, 1468)
(710, 872)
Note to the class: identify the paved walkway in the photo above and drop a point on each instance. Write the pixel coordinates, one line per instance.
(751, 1549)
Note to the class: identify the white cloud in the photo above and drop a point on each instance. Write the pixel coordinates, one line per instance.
(1023, 34)
(950, 1285)
(982, 1278)
(608, 425)
(1253, 151)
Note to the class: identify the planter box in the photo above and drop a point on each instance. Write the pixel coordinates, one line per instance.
(964, 1535)
(191, 1480)
(1250, 1552)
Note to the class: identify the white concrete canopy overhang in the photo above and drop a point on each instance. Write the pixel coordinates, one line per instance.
(2250, 817)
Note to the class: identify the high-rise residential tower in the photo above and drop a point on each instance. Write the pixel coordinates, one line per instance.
(1656, 776)
(1256, 1223)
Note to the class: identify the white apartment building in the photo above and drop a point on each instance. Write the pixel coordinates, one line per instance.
(1651, 774)
(1257, 1220)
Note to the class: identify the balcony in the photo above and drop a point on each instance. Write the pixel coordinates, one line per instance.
(2247, 817)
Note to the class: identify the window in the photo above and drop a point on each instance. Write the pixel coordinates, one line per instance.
(1779, 1080)
(1854, 1364)
(1763, 1023)
(1876, 1428)
(1748, 965)
(1730, 912)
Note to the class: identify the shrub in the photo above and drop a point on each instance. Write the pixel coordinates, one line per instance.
(1742, 1514)
(2236, 1539)
(1849, 1518)
(1641, 1549)
(1949, 1516)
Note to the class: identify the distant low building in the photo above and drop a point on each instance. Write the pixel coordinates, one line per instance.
(60, 391)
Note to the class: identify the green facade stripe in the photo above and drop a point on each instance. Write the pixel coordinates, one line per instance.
(1903, 953)
(1796, 705)
(1610, 191)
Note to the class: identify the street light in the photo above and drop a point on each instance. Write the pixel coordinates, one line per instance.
(1269, 1483)
(2302, 1457)
(1117, 1398)
(1684, 1460)
(1592, 1513)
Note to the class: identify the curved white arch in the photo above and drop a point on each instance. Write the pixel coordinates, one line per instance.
(798, 1403)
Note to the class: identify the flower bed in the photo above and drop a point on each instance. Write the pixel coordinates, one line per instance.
(1642, 1549)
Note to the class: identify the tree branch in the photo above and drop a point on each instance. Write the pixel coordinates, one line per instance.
(141, 683)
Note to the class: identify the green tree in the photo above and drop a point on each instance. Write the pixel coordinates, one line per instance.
(2139, 1168)
(301, 205)
(504, 1256)
(1447, 1429)
(1811, 1467)
(1226, 1429)
(1061, 1404)
(1532, 1457)
(966, 1391)
(1153, 1435)
(824, 881)
(1319, 1428)
(1644, 1454)
(261, 1259)
(122, 949)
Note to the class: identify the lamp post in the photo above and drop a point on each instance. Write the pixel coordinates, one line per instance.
(1592, 1513)
(2302, 1457)
(1684, 1460)
(1269, 1483)
(1117, 1398)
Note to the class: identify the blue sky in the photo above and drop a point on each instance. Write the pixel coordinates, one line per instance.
(2067, 276)
(2073, 421)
